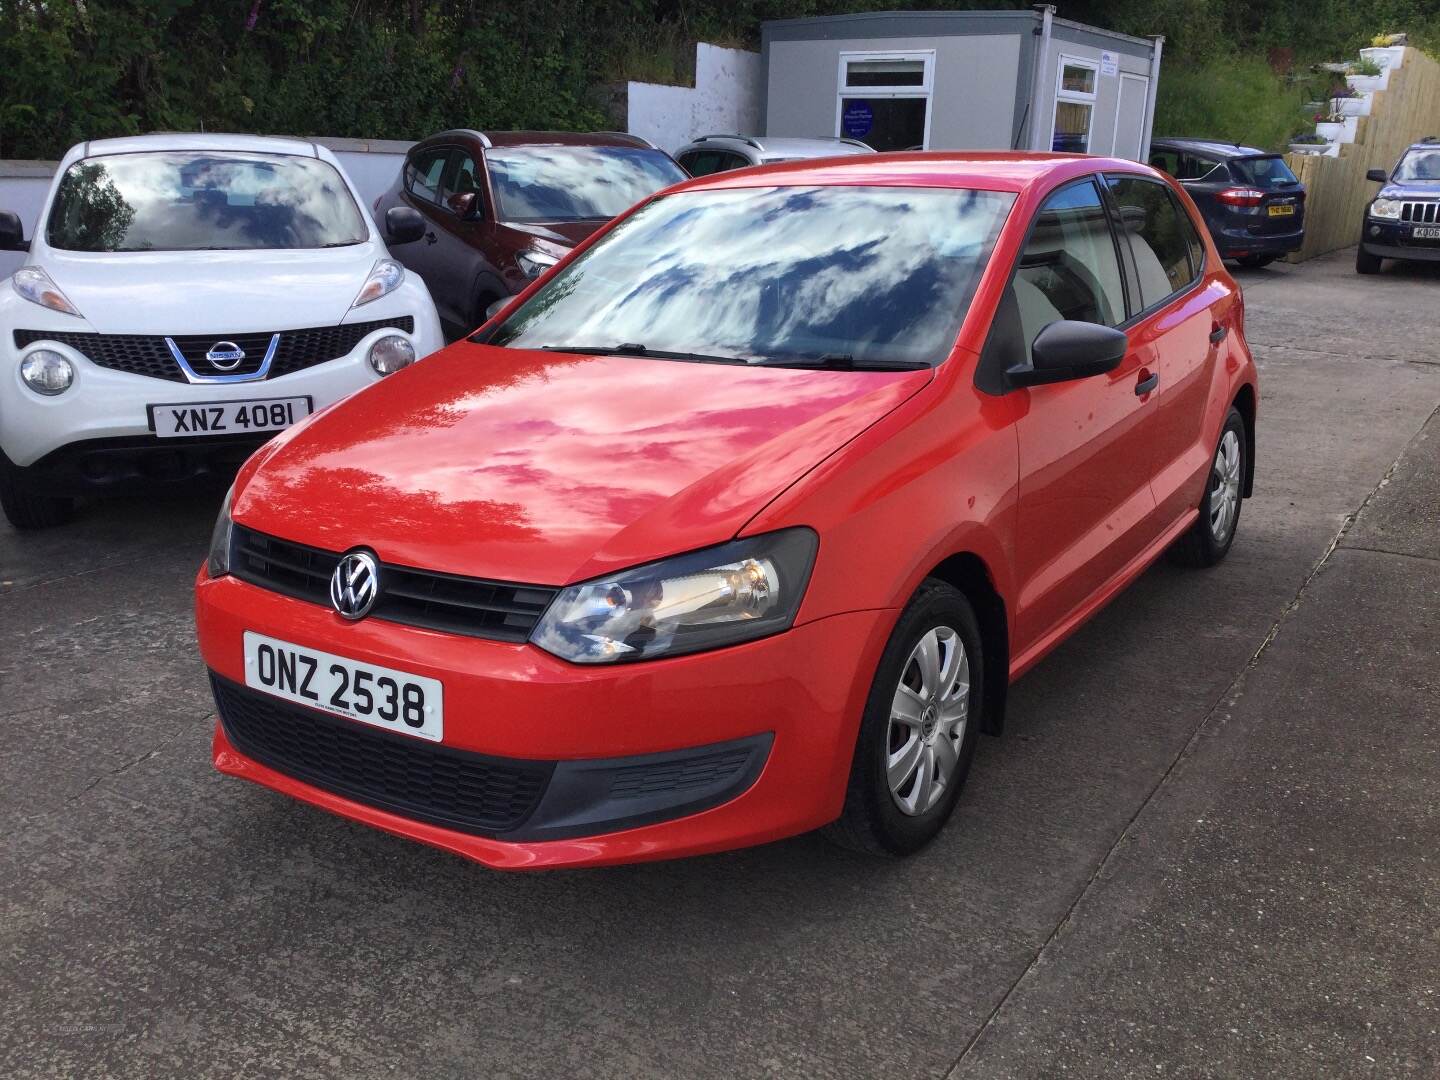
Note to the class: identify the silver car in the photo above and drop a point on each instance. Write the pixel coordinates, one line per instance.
(718, 153)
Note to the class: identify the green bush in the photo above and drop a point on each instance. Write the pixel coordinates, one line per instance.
(1236, 99)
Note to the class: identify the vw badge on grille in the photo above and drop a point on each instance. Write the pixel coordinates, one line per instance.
(225, 355)
(355, 584)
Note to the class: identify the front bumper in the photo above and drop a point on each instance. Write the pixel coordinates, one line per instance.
(1393, 240)
(136, 465)
(791, 702)
(105, 404)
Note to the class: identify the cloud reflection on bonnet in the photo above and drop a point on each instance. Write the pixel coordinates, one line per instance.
(883, 274)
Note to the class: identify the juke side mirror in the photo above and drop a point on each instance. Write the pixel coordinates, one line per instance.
(12, 234)
(1070, 350)
(403, 225)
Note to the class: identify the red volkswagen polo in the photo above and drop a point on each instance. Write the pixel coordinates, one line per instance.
(740, 521)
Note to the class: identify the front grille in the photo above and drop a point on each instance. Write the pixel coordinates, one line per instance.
(149, 355)
(500, 611)
(699, 771)
(1422, 213)
(135, 353)
(429, 782)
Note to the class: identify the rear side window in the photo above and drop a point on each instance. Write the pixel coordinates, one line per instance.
(1263, 172)
(1160, 234)
(422, 174)
(1069, 269)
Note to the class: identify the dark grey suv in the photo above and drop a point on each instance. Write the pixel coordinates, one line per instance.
(1253, 204)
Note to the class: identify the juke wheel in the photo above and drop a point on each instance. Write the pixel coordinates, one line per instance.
(1209, 539)
(26, 509)
(917, 736)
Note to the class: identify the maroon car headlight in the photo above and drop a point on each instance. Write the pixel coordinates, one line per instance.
(718, 596)
(535, 262)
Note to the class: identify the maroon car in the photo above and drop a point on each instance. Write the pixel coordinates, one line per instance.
(500, 207)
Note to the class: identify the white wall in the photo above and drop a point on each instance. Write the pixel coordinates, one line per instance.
(724, 100)
(372, 165)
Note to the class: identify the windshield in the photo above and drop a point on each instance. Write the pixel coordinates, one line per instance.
(1418, 166)
(575, 183)
(878, 275)
(202, 202)
(1263, 172)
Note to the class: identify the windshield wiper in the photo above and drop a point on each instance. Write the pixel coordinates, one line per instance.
(842, 362)
(634, 349)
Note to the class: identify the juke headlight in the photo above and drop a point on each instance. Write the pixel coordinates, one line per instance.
(1386, 208)
(34, 284)
(723, 595)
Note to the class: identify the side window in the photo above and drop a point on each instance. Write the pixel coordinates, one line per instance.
(1166, 161)
(1069, 269)
(1194, 167)
(422, 174)
(701, 162)
(1159, 235)
(733, 161)
(462, 177)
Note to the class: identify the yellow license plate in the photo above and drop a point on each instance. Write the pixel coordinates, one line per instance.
(1281, 211)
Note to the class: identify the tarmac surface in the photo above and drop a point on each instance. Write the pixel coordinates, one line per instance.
(1206, 846)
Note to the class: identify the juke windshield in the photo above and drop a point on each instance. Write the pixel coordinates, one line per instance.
(864, 276)
(172, 201)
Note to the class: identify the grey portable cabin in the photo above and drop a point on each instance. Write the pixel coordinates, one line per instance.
(961, 80)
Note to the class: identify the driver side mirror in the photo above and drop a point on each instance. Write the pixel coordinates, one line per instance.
(463, 204)
(403, 225)
(1070, 350)
(1379, 176)
(12, 235)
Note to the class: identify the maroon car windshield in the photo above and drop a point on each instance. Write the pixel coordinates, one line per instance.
(575, 183)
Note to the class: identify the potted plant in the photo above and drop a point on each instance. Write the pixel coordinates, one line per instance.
(1351, 103)
(1367, 75)
(1335, 127)
(1309, 143)
(1387, 50)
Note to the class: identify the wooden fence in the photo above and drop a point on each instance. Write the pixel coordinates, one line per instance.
(1336, 189)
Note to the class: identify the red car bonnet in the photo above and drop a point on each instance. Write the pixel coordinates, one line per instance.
(551, 468)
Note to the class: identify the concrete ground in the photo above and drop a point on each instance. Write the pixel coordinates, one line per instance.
(1209, 844)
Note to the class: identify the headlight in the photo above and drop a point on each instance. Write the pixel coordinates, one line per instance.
(736, 592)
(1386, 208)
(47, 372)
(385, 277)
(217, 564)
(391, 353)
(35, 285)
(535, 263)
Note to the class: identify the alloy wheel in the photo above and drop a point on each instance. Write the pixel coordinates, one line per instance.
(928, 713)
(1225, 487)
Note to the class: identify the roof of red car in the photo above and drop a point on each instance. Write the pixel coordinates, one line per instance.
(995, 170)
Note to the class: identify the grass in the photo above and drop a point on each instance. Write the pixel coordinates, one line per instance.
(1235, 99)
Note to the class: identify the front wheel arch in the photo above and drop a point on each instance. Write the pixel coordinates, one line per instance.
(968, 573)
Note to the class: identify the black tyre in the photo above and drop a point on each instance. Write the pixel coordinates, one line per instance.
(918, 734)
(26, 509)
(1209, 539)
(1254, 262)
(1365, 262)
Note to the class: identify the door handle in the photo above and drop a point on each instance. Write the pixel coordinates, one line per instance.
(1147, 383)
(1217, 334)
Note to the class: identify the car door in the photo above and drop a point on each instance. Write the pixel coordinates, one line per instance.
(420, 190)
(1086, 447)
(460, 223)
(1181, 331)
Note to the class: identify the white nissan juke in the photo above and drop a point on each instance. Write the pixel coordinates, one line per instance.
(184, 298)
